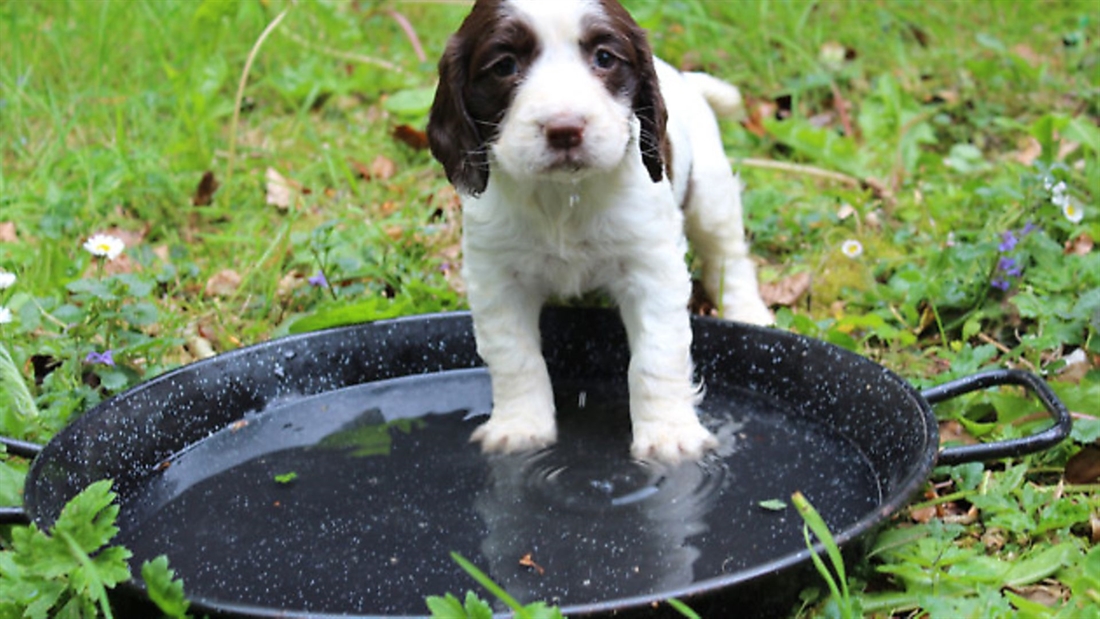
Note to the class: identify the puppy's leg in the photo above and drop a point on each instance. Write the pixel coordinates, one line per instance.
(662, 395)
(714, 227)
(506, 326)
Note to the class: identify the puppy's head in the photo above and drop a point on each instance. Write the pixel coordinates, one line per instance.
(546, 89)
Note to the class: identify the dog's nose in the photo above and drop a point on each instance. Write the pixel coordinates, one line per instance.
(564, 133)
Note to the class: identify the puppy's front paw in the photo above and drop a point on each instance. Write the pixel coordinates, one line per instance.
(750, 309)
(671, 442)
(512, 433)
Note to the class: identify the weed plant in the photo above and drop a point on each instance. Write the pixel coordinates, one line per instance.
(922, 189)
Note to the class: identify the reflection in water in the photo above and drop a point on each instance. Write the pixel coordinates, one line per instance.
(581, 520)
(387, 486)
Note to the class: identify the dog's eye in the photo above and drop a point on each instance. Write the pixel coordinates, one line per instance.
(507, 66)
(604, 59)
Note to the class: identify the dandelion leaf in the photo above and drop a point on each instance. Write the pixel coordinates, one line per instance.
(165, 590)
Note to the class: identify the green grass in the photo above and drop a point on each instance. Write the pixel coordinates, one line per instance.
(955, 116)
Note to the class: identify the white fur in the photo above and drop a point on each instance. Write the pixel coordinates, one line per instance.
(546, 228)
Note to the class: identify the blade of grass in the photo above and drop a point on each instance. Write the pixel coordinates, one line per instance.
(814, 522)
(483, 579)
(240, 96)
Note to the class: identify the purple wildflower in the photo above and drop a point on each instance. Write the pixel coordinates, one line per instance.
(1009, 266)
(106, 357)
(1008, 241)
(1000, 283)
(1028, 229)
(319, 280)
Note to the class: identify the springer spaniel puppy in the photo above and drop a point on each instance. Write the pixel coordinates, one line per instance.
(581, 160)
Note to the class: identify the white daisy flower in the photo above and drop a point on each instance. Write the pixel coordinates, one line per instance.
(1073, 212)
(6, 279)
(5, 315)
(105, 246)
(852, 248)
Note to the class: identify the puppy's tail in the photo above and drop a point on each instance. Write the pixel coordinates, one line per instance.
(723, 97)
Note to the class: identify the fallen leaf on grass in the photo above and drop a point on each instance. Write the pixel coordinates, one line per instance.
(289, 283)
(786, 291)
(223, 283)
(1028, 153)
(1028, 55)
(129, 237)
(952, 431)
(413, 138)
(204, 193)
(7, 232)
(281, 190)
(994, 538)
(197, 345)
(1079, 246)
(381, 168)
(1049, 593)
(758, 110)
(1076, 367)
(1084, 466)
(118, 266)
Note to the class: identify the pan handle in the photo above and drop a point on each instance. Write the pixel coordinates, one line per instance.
(23, 449)
(1012, 447)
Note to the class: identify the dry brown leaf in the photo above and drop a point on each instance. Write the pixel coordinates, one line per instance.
(1076, 367)
(362, 170)
(204, 193)
(1028, 55)
(786, 291)
(1066, 148)
(413, 138)
(7, 232)
(923, 515)
(1049, 593)
(281, 190)
(994, 538)
(223, 283)
(952, 431)
(950, 97)
(130, 238)
(1079, 246)
(1084, 466)
(289, 283)
(1029, 152)
(122, 264)
(382, 168)
(528, 562)
(279, 193)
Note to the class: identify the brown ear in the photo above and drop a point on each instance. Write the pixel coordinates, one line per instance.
(649, 107)
(453, 135)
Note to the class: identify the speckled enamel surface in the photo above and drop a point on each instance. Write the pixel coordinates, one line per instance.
(374, 419)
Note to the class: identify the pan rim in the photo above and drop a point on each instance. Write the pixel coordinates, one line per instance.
(906, 487)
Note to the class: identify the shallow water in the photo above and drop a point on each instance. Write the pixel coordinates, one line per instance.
(352, 500)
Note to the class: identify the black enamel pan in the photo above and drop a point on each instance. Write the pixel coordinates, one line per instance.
(329, 474)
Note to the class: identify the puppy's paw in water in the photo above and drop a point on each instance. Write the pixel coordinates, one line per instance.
(671, 442)
(514, 433)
